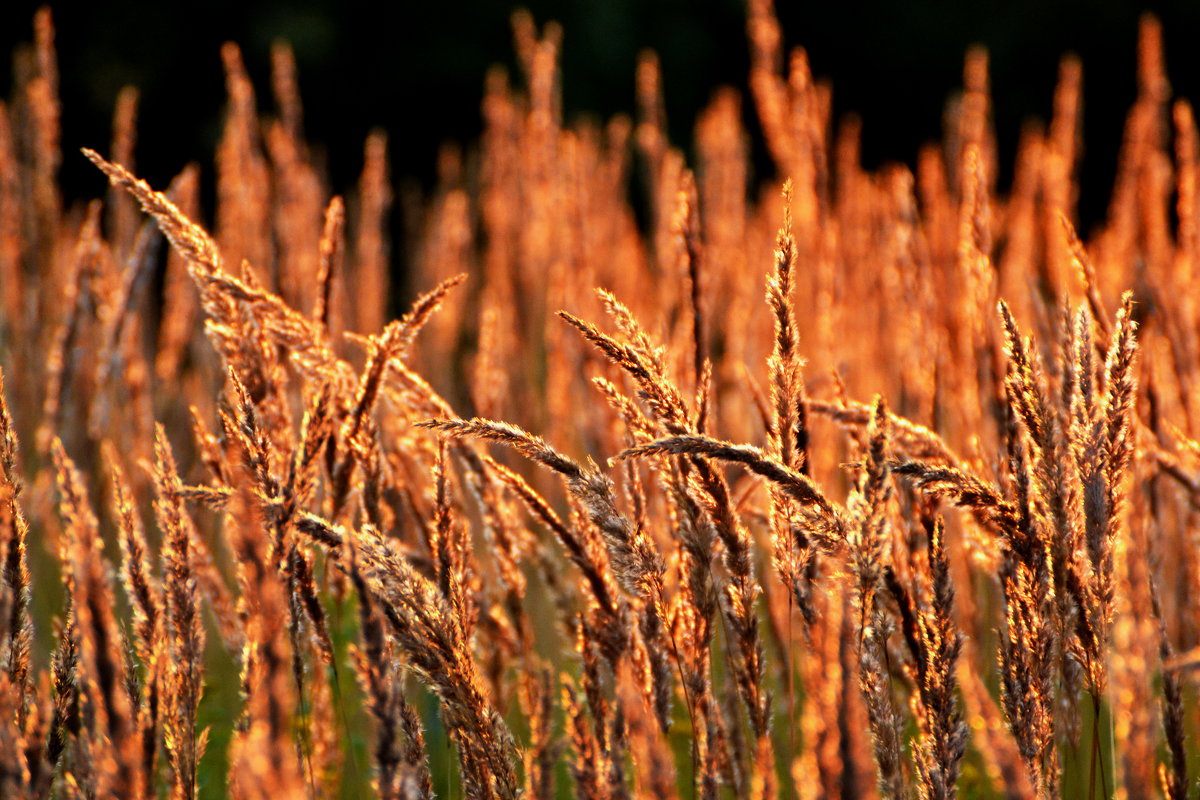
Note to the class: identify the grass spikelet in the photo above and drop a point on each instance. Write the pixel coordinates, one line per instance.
(64, 666)
(537, 700)
(265, 758)
(145, 596)
(1172, 776)
(185, 236)
(935, 643)
(786, 378)
(333, 247)
(576, 548)
(641, 365)
(16, 623)
(965, 490)
(908, 437)
(637, 564)
(105, 705)
(866, 545)
(184, 630)
(396, 761)
(421, 621)
(825, 519)
(1026, 673)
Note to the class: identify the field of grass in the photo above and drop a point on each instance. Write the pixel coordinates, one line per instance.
(671, 482)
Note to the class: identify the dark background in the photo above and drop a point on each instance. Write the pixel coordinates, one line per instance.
(417, 69)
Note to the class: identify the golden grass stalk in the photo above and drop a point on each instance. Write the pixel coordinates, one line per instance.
(430, 637)
(635, 561)
(15, 591)
(822, 518)
(145, 596)
(184, 630)
(106, 710)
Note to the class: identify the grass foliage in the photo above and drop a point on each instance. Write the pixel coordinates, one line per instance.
(844, 484)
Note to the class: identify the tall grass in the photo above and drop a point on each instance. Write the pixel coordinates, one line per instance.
(841, 484)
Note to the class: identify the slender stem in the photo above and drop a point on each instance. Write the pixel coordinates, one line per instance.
(1098, 751)
(791, 674)
(1093, 750)
(1103, 777)
(687, 699)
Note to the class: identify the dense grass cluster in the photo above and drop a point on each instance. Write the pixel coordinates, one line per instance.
(849, 484)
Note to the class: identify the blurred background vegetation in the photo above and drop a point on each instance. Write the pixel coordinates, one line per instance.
(416, 69)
